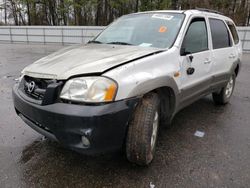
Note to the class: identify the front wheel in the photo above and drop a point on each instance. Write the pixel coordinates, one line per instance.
(223, 97)
(143, 130)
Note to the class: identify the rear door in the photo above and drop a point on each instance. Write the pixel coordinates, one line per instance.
(195, 61)
(223, 52)
(236, 40)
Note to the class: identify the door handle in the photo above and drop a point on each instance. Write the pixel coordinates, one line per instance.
(207, 61)
(232, 56)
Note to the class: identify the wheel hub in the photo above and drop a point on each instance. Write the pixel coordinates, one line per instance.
(229, 88)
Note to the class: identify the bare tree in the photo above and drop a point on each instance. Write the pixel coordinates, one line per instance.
(102, 12)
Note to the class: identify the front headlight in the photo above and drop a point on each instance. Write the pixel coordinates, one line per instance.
(89, 89)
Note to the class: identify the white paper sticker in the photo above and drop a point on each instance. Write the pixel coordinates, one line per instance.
(199, 134)
(163, 16)
(145, 45)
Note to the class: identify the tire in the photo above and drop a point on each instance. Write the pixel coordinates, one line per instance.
(223, 97)
(143, 130)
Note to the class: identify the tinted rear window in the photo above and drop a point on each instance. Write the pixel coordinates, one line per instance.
(233, 32)
(220, 34)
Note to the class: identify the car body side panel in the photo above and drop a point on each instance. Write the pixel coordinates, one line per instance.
(144, 75)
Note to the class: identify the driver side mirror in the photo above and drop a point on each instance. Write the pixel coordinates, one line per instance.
(184, 52)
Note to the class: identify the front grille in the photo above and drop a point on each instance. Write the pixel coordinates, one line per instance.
(35, 87)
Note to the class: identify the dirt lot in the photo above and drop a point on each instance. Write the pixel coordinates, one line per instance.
(219, 159)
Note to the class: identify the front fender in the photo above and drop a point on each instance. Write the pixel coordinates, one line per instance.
(144, 75)
(153, 84)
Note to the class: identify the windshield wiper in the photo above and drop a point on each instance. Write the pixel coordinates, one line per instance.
(95, 42)
(120, 43)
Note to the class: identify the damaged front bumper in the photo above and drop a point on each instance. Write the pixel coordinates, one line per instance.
(104, 125)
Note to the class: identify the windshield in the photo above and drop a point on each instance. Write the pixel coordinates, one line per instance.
(148, 30)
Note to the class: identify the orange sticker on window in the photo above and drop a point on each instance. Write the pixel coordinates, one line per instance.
(162, 29)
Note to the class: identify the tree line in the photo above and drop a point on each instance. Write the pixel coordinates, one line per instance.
(103, 12)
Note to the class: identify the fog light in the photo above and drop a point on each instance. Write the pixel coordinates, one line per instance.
(85, 141)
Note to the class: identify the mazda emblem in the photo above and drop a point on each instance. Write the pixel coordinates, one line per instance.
(31, 87)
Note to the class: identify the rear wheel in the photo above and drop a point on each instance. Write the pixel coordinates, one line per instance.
(223, 97)
(143, 130)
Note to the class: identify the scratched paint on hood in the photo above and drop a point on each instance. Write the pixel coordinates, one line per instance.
(85, 59)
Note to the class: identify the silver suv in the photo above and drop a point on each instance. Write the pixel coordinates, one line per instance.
(136, 75)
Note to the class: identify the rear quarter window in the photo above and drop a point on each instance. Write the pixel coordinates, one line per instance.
(220, 34)
(233, 32)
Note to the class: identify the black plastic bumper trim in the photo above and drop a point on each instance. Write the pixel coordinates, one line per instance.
(37, 128)
(106, 124)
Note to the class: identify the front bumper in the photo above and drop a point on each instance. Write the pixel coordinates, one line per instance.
(104, 125)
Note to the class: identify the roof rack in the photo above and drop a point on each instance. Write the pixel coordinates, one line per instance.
(209, 10)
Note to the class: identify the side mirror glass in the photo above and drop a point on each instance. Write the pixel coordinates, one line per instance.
(184, 52)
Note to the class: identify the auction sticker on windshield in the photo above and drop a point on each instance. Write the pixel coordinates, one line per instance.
(163, 16)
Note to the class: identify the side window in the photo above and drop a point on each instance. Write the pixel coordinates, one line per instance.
(233, 32)
(220, 34)
(196, 38)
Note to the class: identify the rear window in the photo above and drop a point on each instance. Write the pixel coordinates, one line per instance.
(233, 32)
(220, 34)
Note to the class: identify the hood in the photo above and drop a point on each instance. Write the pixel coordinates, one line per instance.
(85, 59)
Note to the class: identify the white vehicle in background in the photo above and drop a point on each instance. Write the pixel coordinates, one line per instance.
(137, 74)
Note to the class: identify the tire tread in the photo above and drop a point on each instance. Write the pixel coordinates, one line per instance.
(137, 147)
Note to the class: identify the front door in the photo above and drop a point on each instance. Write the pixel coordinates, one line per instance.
(195, 62)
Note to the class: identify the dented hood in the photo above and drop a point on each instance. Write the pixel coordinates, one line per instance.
(85, 59)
